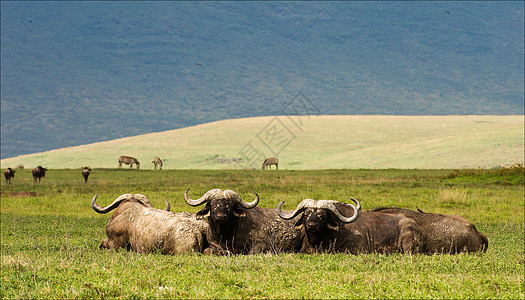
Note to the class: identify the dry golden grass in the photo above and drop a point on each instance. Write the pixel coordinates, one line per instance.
(311, 142)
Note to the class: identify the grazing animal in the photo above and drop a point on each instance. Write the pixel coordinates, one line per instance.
(38, 173)
(136, 225)
(128, 160)
(270, 161)
(325, 228)
(85, 173)
(239, 227)
(446, 233)
(9, 174)
(20, 166)
(157, 161)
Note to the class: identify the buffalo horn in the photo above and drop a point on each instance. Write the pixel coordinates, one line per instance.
(306, 203)
(209, 195)
(102, 210)
(329, 205)
(233, 195)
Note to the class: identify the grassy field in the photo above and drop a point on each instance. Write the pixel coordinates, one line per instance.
(50, 237)
(311, 142)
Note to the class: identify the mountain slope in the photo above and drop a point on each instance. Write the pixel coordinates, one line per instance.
(315, 142)
(81, 72)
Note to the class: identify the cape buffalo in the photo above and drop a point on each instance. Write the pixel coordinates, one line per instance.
(157, 161)
(239, 227)
(326, 228)
(38, 173)
(136, 225)
(128, 160)
(9, 174)
(85, 173)
(270, 161)
(446, 233)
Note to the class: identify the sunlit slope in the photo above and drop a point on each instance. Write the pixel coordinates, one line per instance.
(315, 142)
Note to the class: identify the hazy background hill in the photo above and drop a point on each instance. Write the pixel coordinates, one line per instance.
(74, 73)
(316, 142)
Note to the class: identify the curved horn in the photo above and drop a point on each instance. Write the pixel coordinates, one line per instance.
(202, 199)
(357, 203)
(329, 205)
(233, 195)
(306, 203)
(168, 207)
(102, 210)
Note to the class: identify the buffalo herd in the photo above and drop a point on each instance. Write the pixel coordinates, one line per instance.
(229, 225)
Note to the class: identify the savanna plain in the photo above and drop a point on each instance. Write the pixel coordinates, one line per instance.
(50, 237)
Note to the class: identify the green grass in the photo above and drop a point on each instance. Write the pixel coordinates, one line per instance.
(49, 243)
(315, 142)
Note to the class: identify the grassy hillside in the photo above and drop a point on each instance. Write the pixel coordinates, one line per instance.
(316, 142)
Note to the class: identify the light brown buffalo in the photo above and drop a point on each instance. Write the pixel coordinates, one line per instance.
(136, 225)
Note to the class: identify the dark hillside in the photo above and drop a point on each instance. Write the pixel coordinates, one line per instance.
(74, 73)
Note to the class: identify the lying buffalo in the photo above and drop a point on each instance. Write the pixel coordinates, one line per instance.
(331, 226)
(446, 233)
(138, 226)
(239, 227)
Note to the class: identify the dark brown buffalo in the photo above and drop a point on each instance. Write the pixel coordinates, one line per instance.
(38, 173)
(239, 227)
(446, 233)
(9, 174)
(136, 225)
(326, 228)
(85, 173)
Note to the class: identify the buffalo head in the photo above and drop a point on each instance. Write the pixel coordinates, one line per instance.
(319, 215)
(221, 206)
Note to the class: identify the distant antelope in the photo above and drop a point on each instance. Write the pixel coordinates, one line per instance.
(270, 161)
(128, 160)
(157, 161)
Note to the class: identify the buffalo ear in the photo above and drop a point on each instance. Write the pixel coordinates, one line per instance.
(300, 221)
(239, 213)
(203, 213)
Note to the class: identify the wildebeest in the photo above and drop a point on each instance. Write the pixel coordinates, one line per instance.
(128, 160)
(136, 225)
(85, 173)
(157, 161)
(239, 227)
(270, 161)
(9, 173)
(38, 173)
(445, 233)
(326, 228)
